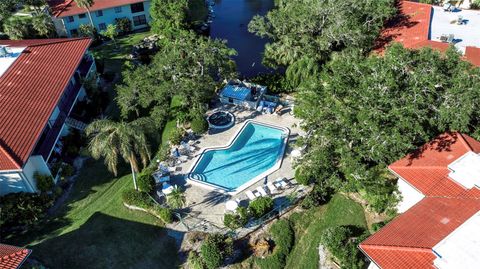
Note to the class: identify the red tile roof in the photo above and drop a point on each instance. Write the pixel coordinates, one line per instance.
(411, 28)
(12, 257)
(406, 242)
(30, 90)
(63, 8)
(427, 168)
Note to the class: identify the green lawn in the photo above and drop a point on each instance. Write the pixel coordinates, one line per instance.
(94, 230)
(309, 225)
(113, 55)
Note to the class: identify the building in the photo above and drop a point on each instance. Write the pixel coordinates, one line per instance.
(68, 17)
(420, 25)
(40, 82)
(242, 94)
(12, 257)
(440, 187)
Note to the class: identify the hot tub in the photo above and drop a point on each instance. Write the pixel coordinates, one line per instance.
(221, 120)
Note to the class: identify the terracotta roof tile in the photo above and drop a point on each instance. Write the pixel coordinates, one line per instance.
(12, 257)
(411, 28)
(30, 90)
(427, 168)
(406, 242)
(63, 8)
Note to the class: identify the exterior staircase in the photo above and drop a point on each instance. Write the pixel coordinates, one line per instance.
(76, 124)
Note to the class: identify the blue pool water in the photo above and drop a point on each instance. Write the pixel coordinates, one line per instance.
(255, 150)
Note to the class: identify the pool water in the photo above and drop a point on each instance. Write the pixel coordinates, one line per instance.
(255, 150)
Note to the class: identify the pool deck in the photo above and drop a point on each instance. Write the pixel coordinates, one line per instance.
(206, 207)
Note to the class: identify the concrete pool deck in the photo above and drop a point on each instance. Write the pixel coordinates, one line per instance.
(206, 207)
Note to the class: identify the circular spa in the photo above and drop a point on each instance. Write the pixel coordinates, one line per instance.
(221, 120)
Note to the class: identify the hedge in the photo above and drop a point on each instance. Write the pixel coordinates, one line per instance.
(283, 236)
(20, 209)
(144, 201)
(260, 206)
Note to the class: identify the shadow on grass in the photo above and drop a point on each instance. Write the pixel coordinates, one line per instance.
(108, 242)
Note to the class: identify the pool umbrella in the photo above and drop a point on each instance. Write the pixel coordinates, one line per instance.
(231, 205)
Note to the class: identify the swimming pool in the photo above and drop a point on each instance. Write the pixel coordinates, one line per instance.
(255, 152)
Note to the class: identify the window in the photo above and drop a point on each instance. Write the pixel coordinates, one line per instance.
(99, 13)
(118, 9)
(137, 7)
(102, 26)
(82, 16)
(70, 19)
(139, 20)
(74, 32)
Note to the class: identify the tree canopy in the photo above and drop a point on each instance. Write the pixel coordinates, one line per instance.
(313, 28)
(189, 67)
(363, 113)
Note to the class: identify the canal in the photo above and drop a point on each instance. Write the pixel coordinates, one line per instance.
(231, 23)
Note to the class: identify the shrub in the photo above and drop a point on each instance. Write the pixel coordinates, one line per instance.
(475, 4)
(124, 25)
(195, 261)
(145, 181)
(67, 170)
(339, 242)
(320, 194)
(235, 221)
(378, 225)
(214, 250)
(176, 136)
(19, 209)
(260, 206)
(283, 236)
(143, 200)
(164, 213)
(199, 125)
(44, 182)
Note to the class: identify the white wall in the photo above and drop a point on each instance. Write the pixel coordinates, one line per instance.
(410, 196)
(373, 266)
(35, 164)
(13, 182)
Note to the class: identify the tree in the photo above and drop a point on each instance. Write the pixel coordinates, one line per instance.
(111, 32)
(43, 24)
(189, 67)
(168, 16)
(363, 113)
(314, 29)
(6, 9)
(18, 28)
(176, 199)
(86, 4)
(113, 140)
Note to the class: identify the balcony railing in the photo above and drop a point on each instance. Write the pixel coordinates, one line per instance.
(85, 65)
(48, 139)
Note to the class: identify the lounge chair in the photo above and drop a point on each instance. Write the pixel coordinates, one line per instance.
(250, 195)
(271, 187)
(450, 39)
(262, 191)
(281, 182)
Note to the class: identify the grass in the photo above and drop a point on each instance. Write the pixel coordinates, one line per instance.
(310, 224)
(115, 56)
(171, 124)
(94, 230)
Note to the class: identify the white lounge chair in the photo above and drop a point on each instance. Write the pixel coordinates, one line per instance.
(250, 195)
(262, 191)
(281, 182)
(272, 188)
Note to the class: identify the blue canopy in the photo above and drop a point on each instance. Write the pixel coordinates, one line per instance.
(236, 92)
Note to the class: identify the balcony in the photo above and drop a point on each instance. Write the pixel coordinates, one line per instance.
(85, 65)
(49, 137)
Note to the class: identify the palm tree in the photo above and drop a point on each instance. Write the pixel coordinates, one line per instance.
(111, 140)
(86, 4)
(176, 199)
